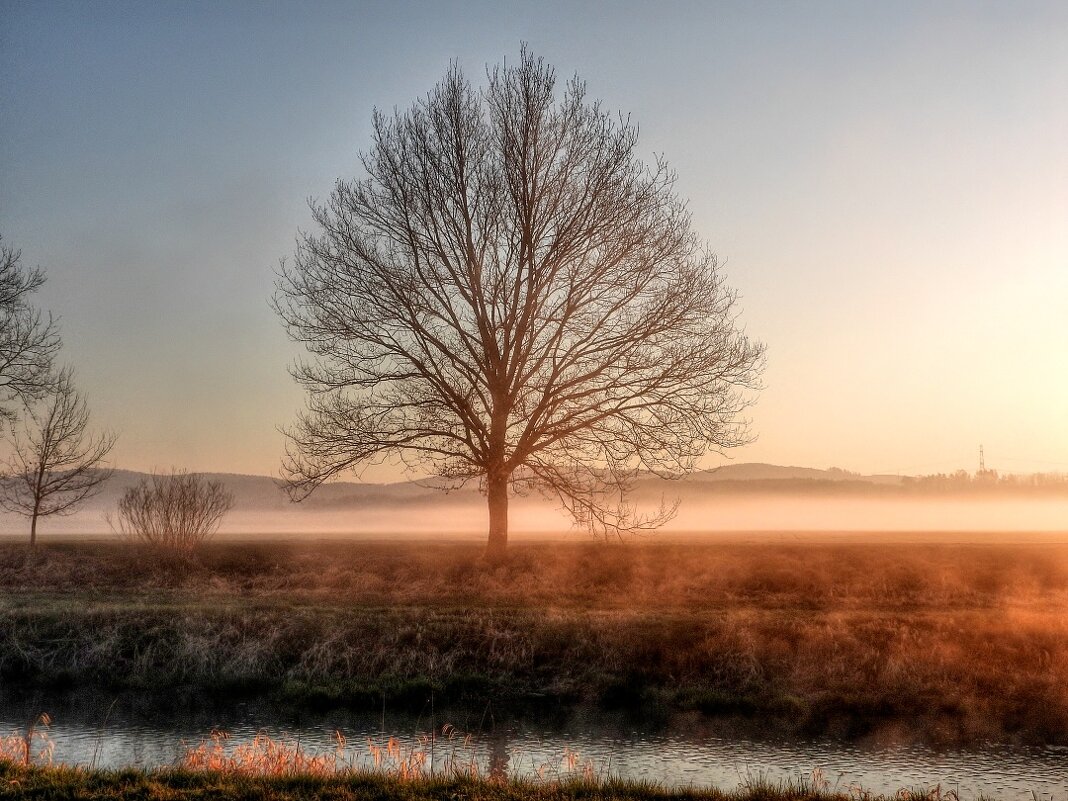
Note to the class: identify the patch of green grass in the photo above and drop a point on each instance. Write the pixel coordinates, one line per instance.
(58, 783)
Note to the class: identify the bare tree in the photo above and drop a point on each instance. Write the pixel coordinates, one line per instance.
(28, 340)
(175, 511)
(55, 464)
(511, 295)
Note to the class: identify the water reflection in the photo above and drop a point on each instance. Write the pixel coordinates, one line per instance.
(499, 755)
(106, 732)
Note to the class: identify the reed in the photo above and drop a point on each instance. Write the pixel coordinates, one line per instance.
(33, 746)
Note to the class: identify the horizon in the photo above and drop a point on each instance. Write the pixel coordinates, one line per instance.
(832, 469)
(758, 500)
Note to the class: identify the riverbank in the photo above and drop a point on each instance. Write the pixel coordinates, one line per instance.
(177, 785)
(939, 643)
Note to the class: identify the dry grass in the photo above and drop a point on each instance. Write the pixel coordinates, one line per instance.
(946, 643)
(645, 576)
(445, 755)
(30, 747)
(264, 756)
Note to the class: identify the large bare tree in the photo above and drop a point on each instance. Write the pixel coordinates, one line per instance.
(55, 463)
(29, 340)
(511, 295)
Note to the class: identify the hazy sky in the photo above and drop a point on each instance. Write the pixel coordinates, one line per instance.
(888, 183)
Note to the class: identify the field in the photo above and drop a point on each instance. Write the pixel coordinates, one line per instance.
(934, 642)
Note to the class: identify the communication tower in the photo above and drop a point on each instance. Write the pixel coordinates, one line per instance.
(989, 476)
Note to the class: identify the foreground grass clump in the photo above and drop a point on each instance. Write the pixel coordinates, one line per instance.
(946, 642)
(18, 781)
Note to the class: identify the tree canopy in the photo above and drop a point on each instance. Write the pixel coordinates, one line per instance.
(29, 340)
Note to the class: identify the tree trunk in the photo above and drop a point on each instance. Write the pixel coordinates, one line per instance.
(33, 530)
(497, 490)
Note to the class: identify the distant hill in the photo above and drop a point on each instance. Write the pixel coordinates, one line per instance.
(759, 471)
(707, 498)
(743, 497)
(264, 493)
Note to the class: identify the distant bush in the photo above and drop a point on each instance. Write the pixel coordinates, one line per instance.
(174, 511)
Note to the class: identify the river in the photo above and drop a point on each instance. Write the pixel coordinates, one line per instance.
(105, 732)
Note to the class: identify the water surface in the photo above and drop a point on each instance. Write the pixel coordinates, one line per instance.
(108, 732)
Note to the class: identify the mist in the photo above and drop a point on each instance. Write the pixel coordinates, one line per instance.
(463, 515)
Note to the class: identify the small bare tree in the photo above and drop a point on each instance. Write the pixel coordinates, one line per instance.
(510, 295)
(29, 340)
(174, 511)
(55, 463)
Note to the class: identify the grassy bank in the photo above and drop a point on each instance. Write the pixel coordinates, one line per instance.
(946, 643)
(176, 785)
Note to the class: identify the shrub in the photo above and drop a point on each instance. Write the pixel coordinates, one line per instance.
(175, 511)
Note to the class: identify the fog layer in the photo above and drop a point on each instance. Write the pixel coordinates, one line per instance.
(466, 516)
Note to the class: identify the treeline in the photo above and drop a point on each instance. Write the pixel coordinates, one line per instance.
(985, 481)
(959, 482)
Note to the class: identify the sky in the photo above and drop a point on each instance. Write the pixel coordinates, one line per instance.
(887, 184)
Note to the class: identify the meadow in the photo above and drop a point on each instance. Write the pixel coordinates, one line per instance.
(936, 642)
